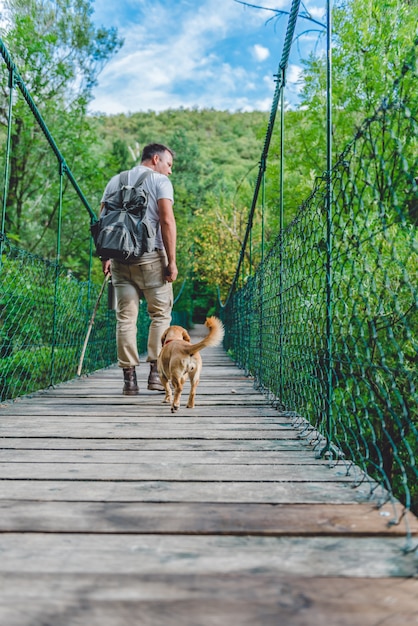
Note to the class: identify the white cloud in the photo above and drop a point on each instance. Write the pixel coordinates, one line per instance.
(186, 54)
(183, 53)
(4, 10)
(148, 67)
(279, 4)
(293, 73)
(317, 13)
(260, 52)
(262, 105)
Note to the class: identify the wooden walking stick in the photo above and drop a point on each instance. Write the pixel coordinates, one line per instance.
(83, 352)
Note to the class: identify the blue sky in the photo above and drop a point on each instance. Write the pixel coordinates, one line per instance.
(198, 53)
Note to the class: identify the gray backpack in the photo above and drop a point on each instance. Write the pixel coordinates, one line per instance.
(123, 231)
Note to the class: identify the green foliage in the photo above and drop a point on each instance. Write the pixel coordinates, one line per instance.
(44, 317)
(216, 153)
(59, 67)
(64, 59)
(371, 44)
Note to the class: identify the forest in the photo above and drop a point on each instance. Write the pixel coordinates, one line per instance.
(217, 152)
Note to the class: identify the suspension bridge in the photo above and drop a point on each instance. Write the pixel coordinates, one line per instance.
(289, 494)
(115, 511)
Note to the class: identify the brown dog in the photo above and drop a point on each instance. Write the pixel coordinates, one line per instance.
(179, 358)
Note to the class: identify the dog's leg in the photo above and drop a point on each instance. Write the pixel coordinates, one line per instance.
(194, 377)
(178, 384)
(166, 384)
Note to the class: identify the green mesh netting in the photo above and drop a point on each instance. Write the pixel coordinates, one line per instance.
(44, 317)
(352, 288)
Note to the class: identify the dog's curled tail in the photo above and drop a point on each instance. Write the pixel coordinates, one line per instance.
(213, 338)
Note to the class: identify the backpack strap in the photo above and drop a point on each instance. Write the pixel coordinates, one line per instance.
(143, 176)
(124, 178)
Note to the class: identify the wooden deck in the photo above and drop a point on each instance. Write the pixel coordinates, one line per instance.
(113, 512)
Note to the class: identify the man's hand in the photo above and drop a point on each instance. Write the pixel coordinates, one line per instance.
(106, 267)
(171, 272)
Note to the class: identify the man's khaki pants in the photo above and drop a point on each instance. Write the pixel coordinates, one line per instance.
(131, 282)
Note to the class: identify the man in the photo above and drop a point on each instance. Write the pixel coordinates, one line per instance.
(151, 276)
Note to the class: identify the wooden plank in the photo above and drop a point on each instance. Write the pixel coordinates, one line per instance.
(185, 491)
(174, 471)
(300, 520)
(111, 386)
(142, 402)
(207, 394)
(244, 599)
(144, 417)
(215, 446)
(56, 412)
(217, 388)
(265, 457)
(138, 431)
(128, 554)
(108, 414)
(147, 421)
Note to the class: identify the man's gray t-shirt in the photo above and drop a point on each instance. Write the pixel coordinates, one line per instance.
(158, 187)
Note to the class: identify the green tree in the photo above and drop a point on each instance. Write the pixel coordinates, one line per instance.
(59, 67)
(371, 43)
(371, 46)
(215, 165)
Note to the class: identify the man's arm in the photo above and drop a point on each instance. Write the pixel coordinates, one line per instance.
(105, 262)
(169, 235)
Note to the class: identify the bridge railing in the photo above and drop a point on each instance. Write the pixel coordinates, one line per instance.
(328, 323)
(45, 314)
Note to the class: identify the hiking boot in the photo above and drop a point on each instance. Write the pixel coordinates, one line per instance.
(154, 381)
(130, 388)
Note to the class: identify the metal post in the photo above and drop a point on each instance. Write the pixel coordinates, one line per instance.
(281, 225)
(261, 284)
(282, 149)
(7, 162)
(263, 206)
(250, 260)
(329, 276)
(57, 271)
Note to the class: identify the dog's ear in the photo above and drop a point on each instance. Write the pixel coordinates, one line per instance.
(164, 335)
(186, 335)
